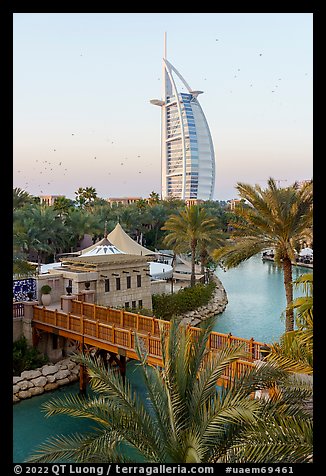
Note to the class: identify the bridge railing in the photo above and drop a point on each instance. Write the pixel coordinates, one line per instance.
(106, 323)
(100, 331)
(140, 323)
(18, 309)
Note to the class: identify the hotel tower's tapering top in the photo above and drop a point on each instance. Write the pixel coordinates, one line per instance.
(187, 153)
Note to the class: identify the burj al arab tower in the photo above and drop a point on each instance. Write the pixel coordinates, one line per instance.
(187, 152)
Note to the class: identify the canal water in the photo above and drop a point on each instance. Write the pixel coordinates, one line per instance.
(256, 298)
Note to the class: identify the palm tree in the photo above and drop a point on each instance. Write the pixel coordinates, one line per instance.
(155, 218)
(21, 198)
(78, 222)
(294, 352)
(189, 227)
(276, 218)
(207, 243)
(185, 417)
(63, 205)
(90, 195)
(38, 229)
(153, 198)
(142, 204)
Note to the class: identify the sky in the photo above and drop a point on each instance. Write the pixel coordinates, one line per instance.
(82, 83)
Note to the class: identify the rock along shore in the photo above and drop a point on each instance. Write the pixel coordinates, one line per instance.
(216, 305)
(46, 378)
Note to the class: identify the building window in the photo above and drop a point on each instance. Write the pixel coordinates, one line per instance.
(126, 305)
(107, 285)
(118, 284)
(128, 282)
(140, 303)
(133, 304)
(138, 280)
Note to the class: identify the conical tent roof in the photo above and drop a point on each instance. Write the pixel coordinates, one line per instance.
(126, 244)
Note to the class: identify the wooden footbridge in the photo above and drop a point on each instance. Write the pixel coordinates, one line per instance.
(113, 331)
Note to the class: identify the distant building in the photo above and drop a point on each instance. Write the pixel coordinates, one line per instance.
(49, 199)
(193, 201)
(123, 200)
(301, 183)
(233, 203)
(187, 152)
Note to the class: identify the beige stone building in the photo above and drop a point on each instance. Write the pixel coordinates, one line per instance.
(49, 199)
(118, 280)
(114, 278)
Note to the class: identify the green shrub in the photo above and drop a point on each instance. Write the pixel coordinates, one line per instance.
(143, 311)
(188, 299)
(46, 289)
(26, 357)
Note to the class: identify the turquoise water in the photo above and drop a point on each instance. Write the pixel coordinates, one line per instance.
(256, 301)
(31, 427)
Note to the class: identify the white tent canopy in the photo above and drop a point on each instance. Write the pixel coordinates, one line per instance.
(306, 252)
(121, 240)
(160, 270)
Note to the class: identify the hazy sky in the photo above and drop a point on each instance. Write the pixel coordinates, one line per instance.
(83, 81)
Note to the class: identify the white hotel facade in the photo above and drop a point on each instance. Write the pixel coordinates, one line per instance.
(187, 152)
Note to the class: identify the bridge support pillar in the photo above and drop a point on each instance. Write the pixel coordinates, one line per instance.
(121, 362)
(27, 321)
(83, 379)
(66, 303)
(123, 367)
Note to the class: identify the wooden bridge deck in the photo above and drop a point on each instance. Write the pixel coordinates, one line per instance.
(114, 331)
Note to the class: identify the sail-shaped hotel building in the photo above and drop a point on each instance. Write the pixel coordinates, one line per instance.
(187, 152)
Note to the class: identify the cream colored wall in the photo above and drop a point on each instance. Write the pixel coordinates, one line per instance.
(115, 298)
(158, 286)
(57, 286)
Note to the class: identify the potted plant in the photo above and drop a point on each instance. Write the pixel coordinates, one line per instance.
(30, 295)
(45, 295)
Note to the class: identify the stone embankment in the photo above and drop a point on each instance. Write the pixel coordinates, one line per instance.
(46, 378)
(216, 305)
